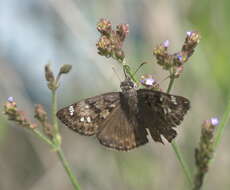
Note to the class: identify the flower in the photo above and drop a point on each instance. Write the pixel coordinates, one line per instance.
(10, 99)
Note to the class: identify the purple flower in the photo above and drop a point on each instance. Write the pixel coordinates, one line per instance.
(189, 33)
(166, 43)
(148, 80)
(180, 58)
(10, 99)
(214, 121)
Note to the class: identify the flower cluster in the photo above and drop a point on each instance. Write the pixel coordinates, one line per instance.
(41, 115)
(11, 110)
(176, 61)
(111, 41)
(204, 153)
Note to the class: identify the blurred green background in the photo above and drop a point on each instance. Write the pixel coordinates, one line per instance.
(64, 32)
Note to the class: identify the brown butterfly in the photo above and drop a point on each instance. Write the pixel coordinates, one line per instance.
(122, 120)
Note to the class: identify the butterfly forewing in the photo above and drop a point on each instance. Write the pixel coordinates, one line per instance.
(86, 116)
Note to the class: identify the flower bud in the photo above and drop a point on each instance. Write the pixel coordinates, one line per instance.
(65, 69)
(122, 31)
(104, 26)
(49, 74)
(40, 113)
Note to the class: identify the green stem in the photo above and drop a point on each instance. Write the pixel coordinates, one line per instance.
(176, 149)
(172, 79)
(54, 110)
(183, 164)
(43, 137)
(223, 123)
(57, 143)
(67, 169)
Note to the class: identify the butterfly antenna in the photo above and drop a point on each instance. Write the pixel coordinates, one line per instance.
(139, 67)
(116, 73)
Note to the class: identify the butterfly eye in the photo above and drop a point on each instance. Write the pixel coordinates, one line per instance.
(130, 84)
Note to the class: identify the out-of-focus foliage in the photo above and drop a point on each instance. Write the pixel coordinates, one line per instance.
(32, 33)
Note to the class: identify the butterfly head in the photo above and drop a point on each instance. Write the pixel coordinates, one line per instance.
(127, 85)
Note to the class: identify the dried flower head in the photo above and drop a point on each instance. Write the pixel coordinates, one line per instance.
(41, 116)
(10, 109)
(111, 41)
(163, 58)
(209, 126)
(104, 46)
(122, 31)
(191, 41)
(40, 113)
(204, 153)
(175, 61)
(104, 26)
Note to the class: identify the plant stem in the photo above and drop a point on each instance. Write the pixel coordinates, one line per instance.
(57, 142)
(170, 84)
(176, 149)
(65, 164)
(43, 137)
(223, 123)
(183, 164)
(54, 110)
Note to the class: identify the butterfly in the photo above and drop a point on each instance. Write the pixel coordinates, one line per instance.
(123, 120)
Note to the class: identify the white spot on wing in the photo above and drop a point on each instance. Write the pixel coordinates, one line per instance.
(82, 119)
(88, 119)
(173, 98)
(161, 99)
(71, 110)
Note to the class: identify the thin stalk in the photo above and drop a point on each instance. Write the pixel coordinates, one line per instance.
(182, 162)
(43, 137)
(54, 110)
(176, 149)
(172, 79)
(65, 164)
(57, 142)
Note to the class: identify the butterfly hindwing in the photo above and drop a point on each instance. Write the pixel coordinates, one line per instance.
(86, 116)
(118, 132)
(161, 112)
